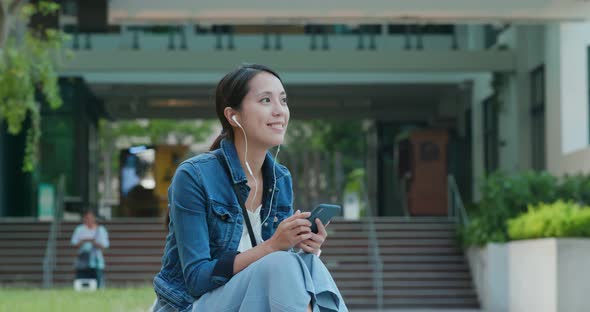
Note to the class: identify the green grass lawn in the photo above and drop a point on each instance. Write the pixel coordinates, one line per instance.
(68, 300)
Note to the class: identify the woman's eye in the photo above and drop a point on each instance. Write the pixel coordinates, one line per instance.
(284, 100)
(265, 100)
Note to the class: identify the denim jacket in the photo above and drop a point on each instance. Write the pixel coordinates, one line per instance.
(206, 222)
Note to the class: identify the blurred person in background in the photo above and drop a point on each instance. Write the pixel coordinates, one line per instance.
(90, 239)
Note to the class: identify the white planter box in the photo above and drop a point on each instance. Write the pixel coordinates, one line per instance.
(489, 268)
(542, 275)
(549, 275)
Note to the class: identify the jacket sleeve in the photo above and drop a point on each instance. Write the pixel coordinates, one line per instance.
(188, 213)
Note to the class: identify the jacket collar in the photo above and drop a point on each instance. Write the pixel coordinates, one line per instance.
(235, 167)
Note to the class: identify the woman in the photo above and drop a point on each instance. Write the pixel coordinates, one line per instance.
(90, 239)
(211, 262)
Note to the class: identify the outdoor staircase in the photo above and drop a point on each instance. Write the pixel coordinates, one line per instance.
(422, 267)
(22, 247)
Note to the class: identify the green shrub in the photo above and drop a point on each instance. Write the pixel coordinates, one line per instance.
(505, 197)
(559, 219)
(576, 188)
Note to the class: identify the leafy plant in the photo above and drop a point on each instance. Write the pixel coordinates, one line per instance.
(27, 68)
(504, 197)
(559, 219)
(346, 137)
(576, 188)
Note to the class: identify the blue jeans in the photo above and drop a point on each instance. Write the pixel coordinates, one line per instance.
(267, 285)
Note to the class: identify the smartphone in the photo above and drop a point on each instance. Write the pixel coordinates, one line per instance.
(324, 212)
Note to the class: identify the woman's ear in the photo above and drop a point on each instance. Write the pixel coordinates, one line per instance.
(229, 114)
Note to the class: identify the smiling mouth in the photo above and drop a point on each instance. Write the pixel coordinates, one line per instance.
(278, 126)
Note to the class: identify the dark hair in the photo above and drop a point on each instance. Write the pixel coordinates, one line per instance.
(230, 92)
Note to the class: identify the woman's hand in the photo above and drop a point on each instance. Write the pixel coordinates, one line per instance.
(314, 244)
(292, 231)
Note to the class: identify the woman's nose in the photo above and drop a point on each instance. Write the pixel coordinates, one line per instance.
(278, 109)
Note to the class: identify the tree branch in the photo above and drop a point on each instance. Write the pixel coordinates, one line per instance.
(14, 6)
(3, 23)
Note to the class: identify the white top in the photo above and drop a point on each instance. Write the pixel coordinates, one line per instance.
(256, 222)
(99, 234)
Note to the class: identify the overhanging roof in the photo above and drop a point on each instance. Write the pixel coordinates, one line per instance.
(344, 11)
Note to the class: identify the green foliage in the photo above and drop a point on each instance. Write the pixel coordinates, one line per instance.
(559, 219)
(507, 196)
(156, 130)
(68, 300)
(355, 181)
(27, 65)
(322, 135)
(347, 137)
(576, 188)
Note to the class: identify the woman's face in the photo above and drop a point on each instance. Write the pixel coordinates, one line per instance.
(89, 219)
(264, 113)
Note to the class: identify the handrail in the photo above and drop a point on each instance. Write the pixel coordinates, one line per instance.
(456, 208)
(403, 182)
(374, 252)
(50, 258)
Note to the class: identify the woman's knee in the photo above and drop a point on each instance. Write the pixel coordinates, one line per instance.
(279, 258)
(279, 262)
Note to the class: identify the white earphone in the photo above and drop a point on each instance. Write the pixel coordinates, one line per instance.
(234, 118)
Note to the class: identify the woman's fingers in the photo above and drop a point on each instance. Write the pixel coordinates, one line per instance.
(312, 244)
(321, 228)
(306, 248)
(297, 216)
(297, 223)
(302, 238)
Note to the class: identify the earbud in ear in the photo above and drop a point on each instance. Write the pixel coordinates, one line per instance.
(234, 118)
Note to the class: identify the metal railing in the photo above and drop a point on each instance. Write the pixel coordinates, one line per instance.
(403, 187)
(455, 203)
(185, 38)
(50, 258)
(374, 252)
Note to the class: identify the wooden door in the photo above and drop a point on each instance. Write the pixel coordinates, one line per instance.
(427, 192)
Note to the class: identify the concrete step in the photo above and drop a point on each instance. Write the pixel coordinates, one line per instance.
(120, 268)
(333, 235)
(407, 284)
(159, 235)
(413, 220)
(347, 259)
(403, 292)
(388, 275)
(418, 302)
(423, 268)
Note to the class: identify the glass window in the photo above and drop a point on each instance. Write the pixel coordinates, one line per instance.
(490, 135)
(538, 118)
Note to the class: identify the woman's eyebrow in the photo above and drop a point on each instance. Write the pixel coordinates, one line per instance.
(270, 93)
